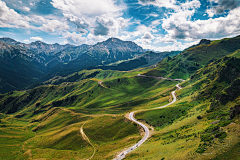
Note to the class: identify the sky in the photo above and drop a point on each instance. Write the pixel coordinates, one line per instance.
(160, 25)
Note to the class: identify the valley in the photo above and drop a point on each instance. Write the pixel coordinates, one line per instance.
(104, 102)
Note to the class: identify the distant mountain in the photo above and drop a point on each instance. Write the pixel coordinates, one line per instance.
(106, 52)
(45, 52)
(49, 60)
(146, 59)
(114, 49)
(196, 57)
(71, 53)
(38, 46)
(19, 67)
(109, 51)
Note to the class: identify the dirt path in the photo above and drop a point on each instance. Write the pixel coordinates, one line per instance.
(86, 139)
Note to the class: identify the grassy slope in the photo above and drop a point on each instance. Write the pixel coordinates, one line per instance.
(206, 129)
(87, 96)
(56, 135)
(185, 64)
(53, 115)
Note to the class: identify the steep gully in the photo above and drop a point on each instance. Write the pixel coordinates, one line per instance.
(131, 117)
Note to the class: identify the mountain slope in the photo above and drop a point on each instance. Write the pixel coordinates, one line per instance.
(204, 122)
(192, 59)
(19, 67)
(146, 59)
(109, 51)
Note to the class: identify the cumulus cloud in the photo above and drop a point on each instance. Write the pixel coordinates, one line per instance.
(172, 4)
(190, 4)
(210, 12)
(81, 24)
(74, 38)
(36, 38)
(147, 35)
(27, 9)
(53, 25)
(165, 39)
(160, 3)
(26, 40)
(177, 46)
(109, 26)
(180, 26)
(10, 18)
(103, 26)
(226, 5)
(98, 17)
(49, 25)
(89, 8)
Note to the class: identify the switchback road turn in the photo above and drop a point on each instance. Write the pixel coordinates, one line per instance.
(146, 130)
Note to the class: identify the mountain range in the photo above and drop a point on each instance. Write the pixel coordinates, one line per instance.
(38, 62)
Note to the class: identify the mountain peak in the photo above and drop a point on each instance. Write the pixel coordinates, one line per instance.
(38, 42)
(8, 40)
(115, 43)
(204, 41)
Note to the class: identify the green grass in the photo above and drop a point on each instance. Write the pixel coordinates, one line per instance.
(160, 118)
(110, 133)
(117, 95)
(232, 154)
(12, 135)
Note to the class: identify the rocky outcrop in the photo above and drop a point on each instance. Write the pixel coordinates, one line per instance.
(234, 111)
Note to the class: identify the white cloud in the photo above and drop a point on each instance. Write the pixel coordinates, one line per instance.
(92, 39)
(165, 39)
(49, 25)
(81, 24)
(95, 17)
(36, 38)
(10, 18)
(147, 35)
(210, 12)
(26, 40)
(25, 8)
(180, 26)
(224, 5)
(89, 8)
(177, 46)
(74, 38)
(172, 4)
(109, 26)
(160, 3)
(190, 5)
(54, 25)
(125, 37)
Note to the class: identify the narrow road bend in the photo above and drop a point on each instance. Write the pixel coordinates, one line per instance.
(146, 130)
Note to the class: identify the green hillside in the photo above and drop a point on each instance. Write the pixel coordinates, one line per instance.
(48, 117)
(206, 118)
(190, 60)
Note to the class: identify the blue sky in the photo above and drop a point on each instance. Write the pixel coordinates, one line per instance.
(160, 25)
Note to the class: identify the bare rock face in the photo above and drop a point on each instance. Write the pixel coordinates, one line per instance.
(234, 111)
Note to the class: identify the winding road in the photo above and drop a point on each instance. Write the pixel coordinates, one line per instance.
(131, 117)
